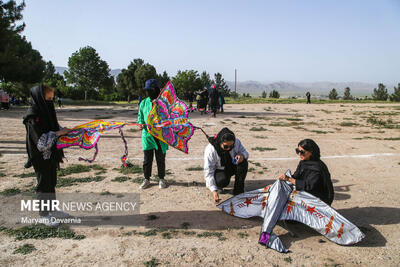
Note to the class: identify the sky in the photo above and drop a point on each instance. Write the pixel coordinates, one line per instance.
(285, 40)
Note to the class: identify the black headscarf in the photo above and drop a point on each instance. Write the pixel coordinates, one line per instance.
(216, 141)
(43, 110)
(44, 115)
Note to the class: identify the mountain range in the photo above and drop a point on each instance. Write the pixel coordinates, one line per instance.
(286, 88)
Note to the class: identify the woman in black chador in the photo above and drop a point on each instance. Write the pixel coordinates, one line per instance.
(42, 130)
(311, 175)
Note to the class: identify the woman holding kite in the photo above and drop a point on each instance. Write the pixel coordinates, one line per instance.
(224, 157)
(42, 131)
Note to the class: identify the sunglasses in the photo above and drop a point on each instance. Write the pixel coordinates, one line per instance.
(301, 152)
(225, 147)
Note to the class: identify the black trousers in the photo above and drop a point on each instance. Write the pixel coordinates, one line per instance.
(223, 177)
(148, 161)
(46, 175)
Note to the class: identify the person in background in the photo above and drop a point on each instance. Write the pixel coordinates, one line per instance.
(5, 100)
(150, 144)
(190, 98)
(42, 131)
(213, 100)
(224, 157)
(221, 101)
(203, 101)
(308, 95)
(311, 175)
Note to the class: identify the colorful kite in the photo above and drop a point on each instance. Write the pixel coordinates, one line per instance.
(282, 201)
(168, 120)
(87, 135)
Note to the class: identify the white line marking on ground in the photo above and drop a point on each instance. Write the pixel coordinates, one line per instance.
(362, 156)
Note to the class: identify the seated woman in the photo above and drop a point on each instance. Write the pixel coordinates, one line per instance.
(224, 157)
(311, 175)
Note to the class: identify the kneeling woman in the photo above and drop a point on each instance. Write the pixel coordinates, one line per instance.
(311, 175)
(224, 157)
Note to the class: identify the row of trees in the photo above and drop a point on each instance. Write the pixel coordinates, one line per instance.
(380, 93)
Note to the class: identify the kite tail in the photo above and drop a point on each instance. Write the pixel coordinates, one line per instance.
(94, 156)
(198, 128)
(125, 155)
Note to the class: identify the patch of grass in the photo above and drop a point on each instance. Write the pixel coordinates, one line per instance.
(288, 259)
(120, 179)
(285, 124)
(151, 263)
(260, 137)
(151, 232)
(258, 164)
(10, 192)
(243, 235)
(263, 148)
(258, 129)
(251, 169)
(24, 249)
(106, 193)
(294, 119)
(348, 124)
(2, 174)
(196, 168)
(193, 232)
(392, 138)
(210, 234)
(185, 225)
(42, 232)
(319, 132)
(69, 181)
(74, 168)
(25, 175)
(138, 180)
(389, 124)
(166, 235)
(130, 169)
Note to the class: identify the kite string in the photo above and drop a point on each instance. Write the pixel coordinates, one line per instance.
(94, 156)
(199, 128)
(125, 155)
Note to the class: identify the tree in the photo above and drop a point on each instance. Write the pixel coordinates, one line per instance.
(274, 94)
(333, 95)
(87, 71)
(142, 74)
(163, 79)
(264, 94)
(186, 80)
(347, 95)
(396, 94)
(380, 93)
(126, 83)
(10, 13)
(221, 84)
(205, 80)
(51, 77)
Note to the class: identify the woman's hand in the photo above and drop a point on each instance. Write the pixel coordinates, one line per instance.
(216, 197)
(283, 177)
(63, 131)
(239, 158)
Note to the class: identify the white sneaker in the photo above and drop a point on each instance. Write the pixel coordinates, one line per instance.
(145, 184)
(162, 183)
(48, 221)
(59, 214)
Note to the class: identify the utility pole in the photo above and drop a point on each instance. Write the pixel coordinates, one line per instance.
(235, 79)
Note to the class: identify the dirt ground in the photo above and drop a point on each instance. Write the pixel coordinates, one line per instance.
(363, 157)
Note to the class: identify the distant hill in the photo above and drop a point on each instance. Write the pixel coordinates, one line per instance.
(290, 88)
(299, 89)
